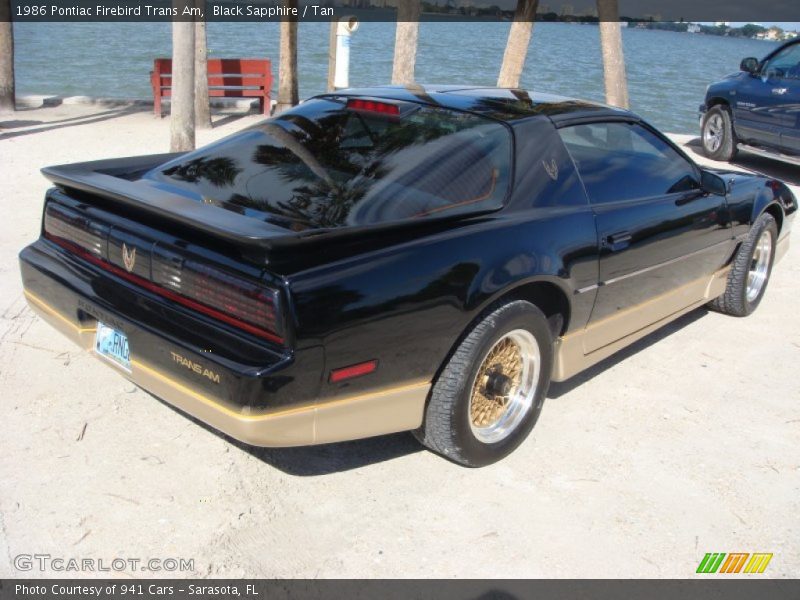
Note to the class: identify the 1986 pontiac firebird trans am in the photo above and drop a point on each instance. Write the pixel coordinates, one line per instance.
(396, 258)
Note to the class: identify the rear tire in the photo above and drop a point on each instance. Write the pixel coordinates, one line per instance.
(750, 271)
(489, 395)
(717, 134)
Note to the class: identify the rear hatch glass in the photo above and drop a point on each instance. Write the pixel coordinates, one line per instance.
(336, 162)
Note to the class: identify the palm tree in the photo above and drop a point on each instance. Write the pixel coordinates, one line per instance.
(616, 82)
(405, 42)
(182, 116)
(519, 38)
(7, 91)
(297, 149)
(288, 92)
(219, 171)
(332, 55)
(202, 109)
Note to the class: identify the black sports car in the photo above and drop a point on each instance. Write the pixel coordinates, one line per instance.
(397, 258)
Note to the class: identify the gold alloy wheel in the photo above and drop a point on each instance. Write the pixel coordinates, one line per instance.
(504, 386)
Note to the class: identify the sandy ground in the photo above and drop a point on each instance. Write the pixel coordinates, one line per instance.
(687, 443)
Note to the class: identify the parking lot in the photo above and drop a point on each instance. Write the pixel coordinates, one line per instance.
(686, 443)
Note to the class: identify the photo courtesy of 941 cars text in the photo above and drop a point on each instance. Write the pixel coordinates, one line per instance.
(402, 298)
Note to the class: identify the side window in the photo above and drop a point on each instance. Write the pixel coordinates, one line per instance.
(785, 64)
(625, 161)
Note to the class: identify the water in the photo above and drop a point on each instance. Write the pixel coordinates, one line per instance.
(667, 72)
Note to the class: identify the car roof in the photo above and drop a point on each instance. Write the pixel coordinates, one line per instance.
(506, 104)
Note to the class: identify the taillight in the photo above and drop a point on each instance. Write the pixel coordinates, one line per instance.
(244, 303)
(233, 298)
(73, 227)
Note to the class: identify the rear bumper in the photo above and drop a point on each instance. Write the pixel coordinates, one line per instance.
(264, 405)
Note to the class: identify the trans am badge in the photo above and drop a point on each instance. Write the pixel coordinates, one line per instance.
(551, 168)
(129, 258)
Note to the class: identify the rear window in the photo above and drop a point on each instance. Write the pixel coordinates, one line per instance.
(326, 165)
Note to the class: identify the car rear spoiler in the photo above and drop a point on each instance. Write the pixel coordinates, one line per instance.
(117, 180)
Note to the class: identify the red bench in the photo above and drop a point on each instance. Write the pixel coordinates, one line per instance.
(227, 78)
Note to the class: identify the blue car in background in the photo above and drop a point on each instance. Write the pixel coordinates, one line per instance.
(756, 110)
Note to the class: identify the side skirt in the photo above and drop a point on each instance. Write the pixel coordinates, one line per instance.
(776, 155)
(570, 357)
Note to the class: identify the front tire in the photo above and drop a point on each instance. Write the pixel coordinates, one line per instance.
(751, 269)
(489, 395)
(717, 134)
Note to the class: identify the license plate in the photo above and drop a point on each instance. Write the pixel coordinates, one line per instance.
(112, 345)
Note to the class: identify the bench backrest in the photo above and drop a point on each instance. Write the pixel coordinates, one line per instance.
(222, 72)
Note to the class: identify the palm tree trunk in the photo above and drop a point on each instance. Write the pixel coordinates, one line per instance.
(182, 116)
(332, 55)
(299, 150)
(7, 86)
(405, 42)
(288, 91)
(202, 108)
(519, 39)
(616, 82)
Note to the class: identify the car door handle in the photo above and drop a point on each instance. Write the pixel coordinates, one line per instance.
(779, 91)
(617, 241)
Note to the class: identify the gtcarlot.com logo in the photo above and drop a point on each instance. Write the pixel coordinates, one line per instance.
(47, 562)
(734, 562)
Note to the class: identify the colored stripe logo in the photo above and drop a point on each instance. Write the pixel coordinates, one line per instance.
(735, 562)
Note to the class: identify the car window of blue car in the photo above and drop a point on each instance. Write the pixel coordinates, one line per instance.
(785, 63)
(625, 161)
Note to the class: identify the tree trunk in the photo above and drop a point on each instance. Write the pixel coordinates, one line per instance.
(182, 116)
(616, 82)
(332, 55)
(519, 38)
(7, 86)
(405, 42)
(202, 108)
(288, 90)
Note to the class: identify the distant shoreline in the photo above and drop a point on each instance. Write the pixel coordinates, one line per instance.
(53, 100)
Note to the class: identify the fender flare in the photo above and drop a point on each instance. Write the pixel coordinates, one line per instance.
(767, 202)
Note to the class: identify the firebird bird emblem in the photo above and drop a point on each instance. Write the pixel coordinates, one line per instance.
(551, 168)
(129, 258)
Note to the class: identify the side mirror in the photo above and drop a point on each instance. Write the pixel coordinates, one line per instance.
(713, 183)
(749, 65)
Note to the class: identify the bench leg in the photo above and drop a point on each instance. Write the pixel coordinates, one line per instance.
(265, 105)
(157, 105)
